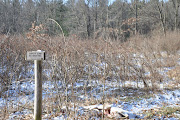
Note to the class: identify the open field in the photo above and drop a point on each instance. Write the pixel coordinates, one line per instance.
(92, 79)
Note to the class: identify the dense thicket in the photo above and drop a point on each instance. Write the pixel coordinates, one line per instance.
(28, 25)
(91, 18)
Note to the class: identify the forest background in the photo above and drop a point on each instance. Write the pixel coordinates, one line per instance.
(89, 18)
(97, 51)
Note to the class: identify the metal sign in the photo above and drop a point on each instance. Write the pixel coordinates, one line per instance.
(35, 55)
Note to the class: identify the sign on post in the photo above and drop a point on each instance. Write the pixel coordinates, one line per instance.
(37, 56)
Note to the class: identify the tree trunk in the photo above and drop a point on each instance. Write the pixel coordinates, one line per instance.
(176, 16)
(136, 18)
(162, 17)
(88, 21)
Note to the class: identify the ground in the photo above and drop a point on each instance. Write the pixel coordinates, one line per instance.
(93, 98)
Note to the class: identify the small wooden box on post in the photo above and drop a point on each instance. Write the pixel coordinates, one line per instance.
(37, 56)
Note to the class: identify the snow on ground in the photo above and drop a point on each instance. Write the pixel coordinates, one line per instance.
(22, 93)
(132, 107)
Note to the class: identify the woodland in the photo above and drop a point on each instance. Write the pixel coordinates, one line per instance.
(104, 59)
(90, 18)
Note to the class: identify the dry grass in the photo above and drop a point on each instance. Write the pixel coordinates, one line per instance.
(157, 42)
(174, 74)
(103, 60)
(164, 112)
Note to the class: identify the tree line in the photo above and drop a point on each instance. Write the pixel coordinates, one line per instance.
(91, 18)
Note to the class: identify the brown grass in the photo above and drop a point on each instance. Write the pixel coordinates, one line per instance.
(73, 55)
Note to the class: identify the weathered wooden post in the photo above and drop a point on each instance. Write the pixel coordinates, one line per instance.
(38, 89)
(37, 56)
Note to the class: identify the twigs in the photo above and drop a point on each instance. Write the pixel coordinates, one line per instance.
(82, 72)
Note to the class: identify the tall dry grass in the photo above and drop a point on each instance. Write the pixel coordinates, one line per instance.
(74, 60)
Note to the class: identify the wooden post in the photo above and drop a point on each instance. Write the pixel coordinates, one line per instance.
(38, 90)
(37, 56)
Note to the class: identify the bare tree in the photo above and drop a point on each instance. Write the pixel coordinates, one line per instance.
(88, 18)
(176, 5)
(162, 15)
